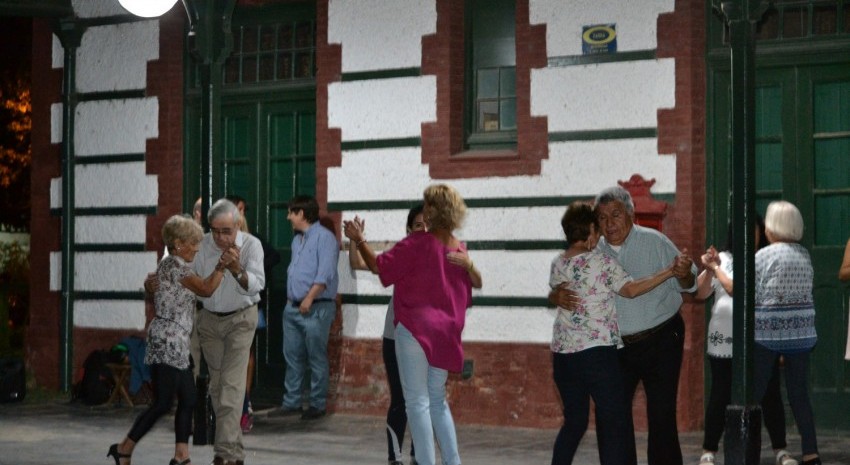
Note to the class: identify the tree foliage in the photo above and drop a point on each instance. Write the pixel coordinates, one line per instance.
(15, 150)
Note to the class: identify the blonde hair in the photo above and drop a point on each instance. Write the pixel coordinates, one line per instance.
(447, 207)
(784, 221)
(182, 228)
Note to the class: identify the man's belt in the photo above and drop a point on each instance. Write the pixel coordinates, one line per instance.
(297, 303)
(234, 312)
(645, 334)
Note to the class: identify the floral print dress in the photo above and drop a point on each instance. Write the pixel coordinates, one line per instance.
(169, 331)
(596, 277)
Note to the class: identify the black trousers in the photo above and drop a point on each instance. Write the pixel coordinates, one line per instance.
(396, 413)
(721, 396)
(168, 381)
(657, 361)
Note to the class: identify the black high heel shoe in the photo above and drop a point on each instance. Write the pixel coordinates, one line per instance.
(175, 462)
(113, 452)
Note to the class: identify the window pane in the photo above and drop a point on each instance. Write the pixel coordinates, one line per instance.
(768, 114)
(488, 83)
(304, 65)
(237, 40)
(507, 82)
(284, 65)
(794, 23)
(508, 114)
(249, 70)
(832, 164)
(267, 67)
(249, 40)
(304, 35)
(231, 71)
(267, 36)
(768, 167)
(768, 27)
(488, 116)
(281, 125)
(828, 231)
(825, 20)
(832, 107)
(285, 37)
(282, 189)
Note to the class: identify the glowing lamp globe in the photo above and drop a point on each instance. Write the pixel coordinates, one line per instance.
(147, 8)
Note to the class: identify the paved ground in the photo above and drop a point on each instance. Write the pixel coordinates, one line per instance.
(54, 432)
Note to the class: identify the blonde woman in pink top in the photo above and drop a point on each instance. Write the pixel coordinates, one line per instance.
(433, 278)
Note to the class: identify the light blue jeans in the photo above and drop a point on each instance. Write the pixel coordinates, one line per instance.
(305, 341)
(428, 411)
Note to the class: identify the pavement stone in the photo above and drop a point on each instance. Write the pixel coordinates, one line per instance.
(57, 432)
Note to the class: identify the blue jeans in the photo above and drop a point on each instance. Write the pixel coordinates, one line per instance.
(305, 341)
(580, 376)
(428, 411)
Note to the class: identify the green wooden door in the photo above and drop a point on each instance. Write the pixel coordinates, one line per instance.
(269, 157)
(802, 156)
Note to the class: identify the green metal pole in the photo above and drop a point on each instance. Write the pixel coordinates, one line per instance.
(70, 35)
(742, 439)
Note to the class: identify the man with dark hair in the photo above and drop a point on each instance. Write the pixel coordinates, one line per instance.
(310, 309)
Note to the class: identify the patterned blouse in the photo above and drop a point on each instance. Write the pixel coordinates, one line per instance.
(596, 277)
(719, 337)
(785, 309)
(168, 332)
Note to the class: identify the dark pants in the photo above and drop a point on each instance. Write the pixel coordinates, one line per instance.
(580, 376)
(396, 414)
(796, 384)
(657, 361)
(168, 381)
(721, 396)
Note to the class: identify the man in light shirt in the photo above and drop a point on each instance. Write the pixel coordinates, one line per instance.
(227, 322)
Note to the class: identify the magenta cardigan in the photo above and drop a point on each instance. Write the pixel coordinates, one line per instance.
(430, 297)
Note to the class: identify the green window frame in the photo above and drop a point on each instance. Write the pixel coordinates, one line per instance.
(490, 78)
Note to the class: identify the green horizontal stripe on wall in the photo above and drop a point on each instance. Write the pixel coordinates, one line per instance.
(115, 158)
(495, 301)
(113, 95)
(109, 247)
(381, 74)
(515, 245)
(107, 211)
(106, 295)
(604, 134)
(381, 143)
(578, 60)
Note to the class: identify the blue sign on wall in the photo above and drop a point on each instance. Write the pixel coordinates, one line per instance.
(599, 38)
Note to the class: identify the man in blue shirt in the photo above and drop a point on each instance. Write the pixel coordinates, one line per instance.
(311, 287)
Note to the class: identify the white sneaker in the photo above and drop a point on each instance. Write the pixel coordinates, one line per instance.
(706, 459)
(784, 458)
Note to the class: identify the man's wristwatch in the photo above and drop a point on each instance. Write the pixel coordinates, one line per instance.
(238, 276)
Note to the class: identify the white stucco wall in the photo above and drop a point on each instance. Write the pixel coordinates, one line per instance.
(393, 28)
(598, 97)
(382, 108)
(603, 96)
(635, 22)
(109, 58)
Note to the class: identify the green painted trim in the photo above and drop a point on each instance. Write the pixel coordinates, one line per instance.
(511, 202)
(50, 8)
(109, 295)
(108, 211)
(604, 134)
(113, 95)
(482, 301)
(579, 60)
(109, 247)
(516, 245)
(116, 158)
(381, 74)
(381, 143)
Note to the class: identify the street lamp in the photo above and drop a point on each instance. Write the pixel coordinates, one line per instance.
(147, 8)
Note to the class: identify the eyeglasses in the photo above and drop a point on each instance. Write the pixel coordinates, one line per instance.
(221, 231)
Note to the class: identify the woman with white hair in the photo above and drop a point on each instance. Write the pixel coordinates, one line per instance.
(785, 317)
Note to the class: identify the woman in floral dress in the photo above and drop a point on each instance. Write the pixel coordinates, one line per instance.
(168, 338)
(585, 341)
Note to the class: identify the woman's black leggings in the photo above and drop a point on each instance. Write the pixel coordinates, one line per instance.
(168, 382)
(396, 414)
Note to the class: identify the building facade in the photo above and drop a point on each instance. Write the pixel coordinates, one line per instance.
(522, 105)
